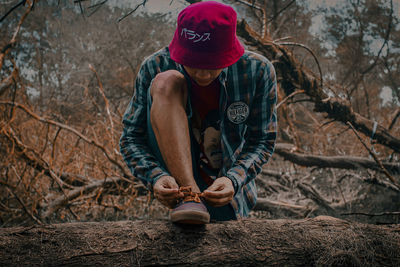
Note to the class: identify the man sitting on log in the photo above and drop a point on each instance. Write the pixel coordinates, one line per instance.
(202, 121)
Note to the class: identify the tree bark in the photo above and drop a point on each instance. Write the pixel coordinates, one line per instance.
(320, 241)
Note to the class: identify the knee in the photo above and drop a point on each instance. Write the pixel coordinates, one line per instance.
(169, 85)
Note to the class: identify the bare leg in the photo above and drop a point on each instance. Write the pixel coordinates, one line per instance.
(170, 125)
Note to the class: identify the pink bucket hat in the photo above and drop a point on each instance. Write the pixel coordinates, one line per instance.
(205, 37)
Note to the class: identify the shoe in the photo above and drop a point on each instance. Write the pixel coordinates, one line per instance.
(191, 210)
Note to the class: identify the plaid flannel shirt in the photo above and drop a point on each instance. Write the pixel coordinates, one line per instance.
(246, 145)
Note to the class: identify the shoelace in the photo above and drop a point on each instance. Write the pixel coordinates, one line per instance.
(189, 195)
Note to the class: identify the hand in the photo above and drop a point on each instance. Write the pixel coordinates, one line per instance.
(220, 192)
(166, 190)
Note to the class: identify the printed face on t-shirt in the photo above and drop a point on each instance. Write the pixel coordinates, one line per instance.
(203, 77)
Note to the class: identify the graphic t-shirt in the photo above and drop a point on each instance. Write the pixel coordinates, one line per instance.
(206, 130)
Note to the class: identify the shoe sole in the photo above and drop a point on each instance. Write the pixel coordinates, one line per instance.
(190, 217)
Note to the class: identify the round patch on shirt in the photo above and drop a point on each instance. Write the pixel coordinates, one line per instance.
(238, 112)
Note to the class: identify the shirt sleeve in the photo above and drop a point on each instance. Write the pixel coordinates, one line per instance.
(262, 130)
(134, 140)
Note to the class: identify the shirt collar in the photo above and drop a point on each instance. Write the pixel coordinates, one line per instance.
(224, 75)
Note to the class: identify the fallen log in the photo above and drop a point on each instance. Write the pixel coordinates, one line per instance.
(277, 207)
(320, 241)
(340, 162)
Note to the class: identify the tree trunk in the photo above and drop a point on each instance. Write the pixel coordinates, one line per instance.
(320, 241)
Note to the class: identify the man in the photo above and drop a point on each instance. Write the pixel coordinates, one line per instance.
(202, 121)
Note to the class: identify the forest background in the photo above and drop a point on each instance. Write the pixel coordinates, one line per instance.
(67, 71)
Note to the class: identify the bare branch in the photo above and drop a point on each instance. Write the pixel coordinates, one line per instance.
(375, 157)
(13, 40)
(106, 103)
(396, 116)
(73, 194)
(96, 7)
(193, 1)
(133, 10)
(12, 9)
(341, 162)
(80, 7)
(264, 14)
(289, 96)
(38, 221)
(312, 53)
(280, 11)
(39, 163)
(310, 192)
(72, 130)
(98, 4)
(368, 69)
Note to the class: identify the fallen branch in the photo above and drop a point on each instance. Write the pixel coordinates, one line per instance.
(33, 159)
(72, 130)
(310, 192)
(394, 213)
(375, 158)
(279, 207)
(30, 214)
(340, 162)
(321, 78)
(289, 96)
(63, 200)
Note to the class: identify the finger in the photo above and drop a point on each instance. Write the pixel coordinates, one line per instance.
(168, 194)
(176, 195)
(171, 184)
(215, 187)
(167, 182)
(219, 202)
(225, 192)
(169, 198)
(166, 191)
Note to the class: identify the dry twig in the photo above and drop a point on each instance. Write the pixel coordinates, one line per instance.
(69, 129)
(13, 40)
(106, 103)
(289, 96)
(385, 171)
